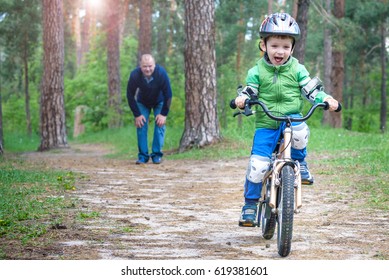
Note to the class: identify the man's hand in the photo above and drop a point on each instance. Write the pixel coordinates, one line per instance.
(160, 120)
(239, 101)
(140, 121)
(332, 102)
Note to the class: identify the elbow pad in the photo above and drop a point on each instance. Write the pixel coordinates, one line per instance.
(249, 91)
(310, 90)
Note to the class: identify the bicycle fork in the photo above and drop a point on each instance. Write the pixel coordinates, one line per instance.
(278, 165)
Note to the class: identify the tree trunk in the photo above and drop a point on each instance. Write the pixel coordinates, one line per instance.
(348, 100)
(327, 60)
(77, 34)
(52, 110)
(26, 91)
(145, 13)
(337, 72)
(384, 57)
(1, 124)
(363, 119)
(302, 20)
(87, 30)
(201, 121)
(239, 52)
(123, 14)
(113, 61)
(269, 7)
(162, 34)
(295, 8)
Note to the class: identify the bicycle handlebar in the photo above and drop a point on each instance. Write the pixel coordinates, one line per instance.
(249, 103)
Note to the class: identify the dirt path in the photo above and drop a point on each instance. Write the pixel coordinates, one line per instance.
(185, 209)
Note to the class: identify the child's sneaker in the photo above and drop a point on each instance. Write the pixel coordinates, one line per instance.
(249, 216)
(306, 177)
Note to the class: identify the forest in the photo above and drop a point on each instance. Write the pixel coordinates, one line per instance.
(70, 188)
(60, 59)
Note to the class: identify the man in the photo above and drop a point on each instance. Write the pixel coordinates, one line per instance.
(149, 89)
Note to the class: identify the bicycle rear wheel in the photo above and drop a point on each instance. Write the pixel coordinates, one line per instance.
(285, 211)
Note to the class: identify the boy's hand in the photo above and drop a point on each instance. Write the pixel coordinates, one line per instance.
(332, 102)
(239, 101)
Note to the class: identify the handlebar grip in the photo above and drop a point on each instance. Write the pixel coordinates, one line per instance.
(339, 107)
(232, 104)
(328, 106)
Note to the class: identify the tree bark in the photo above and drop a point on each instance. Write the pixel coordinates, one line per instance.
(201, 121)
(337, 72)
(113, 61)
(269, 7)
(76, 30)
(162, 34)
(327, 60)
(88, 30)
(239, 52)
(52, 110)
(302, 20)
(26, 90)
(145, 13)
(1, 124)
(384, 57)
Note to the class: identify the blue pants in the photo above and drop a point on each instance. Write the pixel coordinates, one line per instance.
(264, 143)
(159, 134)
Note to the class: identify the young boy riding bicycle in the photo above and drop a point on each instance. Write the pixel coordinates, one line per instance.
(282, 83)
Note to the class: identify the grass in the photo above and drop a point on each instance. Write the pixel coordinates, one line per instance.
(360, 159)
(31, 200)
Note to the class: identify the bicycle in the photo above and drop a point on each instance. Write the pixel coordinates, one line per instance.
(281, 195)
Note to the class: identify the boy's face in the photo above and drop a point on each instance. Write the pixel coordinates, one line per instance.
(278, 49)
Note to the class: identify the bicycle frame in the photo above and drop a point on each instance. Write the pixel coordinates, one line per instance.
(284, 151)
(283, 157)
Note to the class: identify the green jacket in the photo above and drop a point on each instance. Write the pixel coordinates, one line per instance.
(279, 87)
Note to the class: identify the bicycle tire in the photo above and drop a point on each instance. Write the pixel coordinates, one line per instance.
(285, 211)
(268, 218)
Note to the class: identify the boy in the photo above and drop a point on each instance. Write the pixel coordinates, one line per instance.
(281, 83)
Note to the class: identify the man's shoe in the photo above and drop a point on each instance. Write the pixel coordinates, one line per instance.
(157, 160)
(306, 177)
(249, 216)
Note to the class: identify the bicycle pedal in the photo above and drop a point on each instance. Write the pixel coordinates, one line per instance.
(247, 224)
(306, 182)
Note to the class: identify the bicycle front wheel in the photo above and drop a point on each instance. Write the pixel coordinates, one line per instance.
(285, 211)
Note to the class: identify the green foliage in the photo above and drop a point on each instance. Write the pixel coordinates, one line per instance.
(88, 84)
(89, 88)
(20, 34)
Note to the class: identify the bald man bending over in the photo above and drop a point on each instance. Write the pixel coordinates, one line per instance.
(149, 89)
